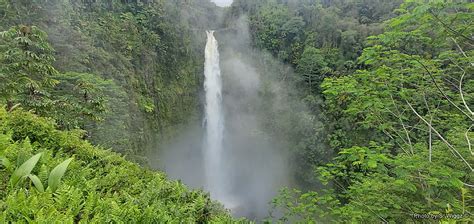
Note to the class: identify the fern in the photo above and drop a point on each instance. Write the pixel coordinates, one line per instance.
(5, 162)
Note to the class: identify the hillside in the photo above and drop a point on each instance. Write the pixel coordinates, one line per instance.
(149, 53)
(99, 186)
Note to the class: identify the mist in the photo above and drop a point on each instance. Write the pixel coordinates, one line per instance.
(257, 157)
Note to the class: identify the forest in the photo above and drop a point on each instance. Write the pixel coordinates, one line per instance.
(250, 111)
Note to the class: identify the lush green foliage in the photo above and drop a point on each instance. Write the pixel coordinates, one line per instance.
(98, 186)
(408, 149)
(143, 83)
(26, 66)
(24, 172)
(338, 28)
(31, 81)
(318, 39)
(73, 62)
(388, 91)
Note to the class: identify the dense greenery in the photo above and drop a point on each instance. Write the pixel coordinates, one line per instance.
(291, 30)
(30, 80)
(372, 98)
(396, 108)
(72, 62)
(318, 39)
(98, 186)
(399, 116)
(151, 74)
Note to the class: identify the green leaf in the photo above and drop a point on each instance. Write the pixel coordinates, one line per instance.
(25, 169)
(5, 162)
(399, 182)
(372, 164)
(37, 182)
(456, 182)
(56, 174)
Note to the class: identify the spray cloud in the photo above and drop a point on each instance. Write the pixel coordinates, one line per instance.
(254, 157)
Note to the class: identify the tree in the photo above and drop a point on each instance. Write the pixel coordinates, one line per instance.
(280, 31)
(79, 99)
(26, 69)
(313, 68)
(409, 104)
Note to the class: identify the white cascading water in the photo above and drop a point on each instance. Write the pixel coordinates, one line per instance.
(214, 121)
(229, 155)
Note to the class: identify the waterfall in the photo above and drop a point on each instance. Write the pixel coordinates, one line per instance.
(229, 154)
(214, 122)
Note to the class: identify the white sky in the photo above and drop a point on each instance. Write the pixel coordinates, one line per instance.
(222, 2)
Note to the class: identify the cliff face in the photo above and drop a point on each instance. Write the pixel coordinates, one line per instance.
(98, 186)
(151, 50)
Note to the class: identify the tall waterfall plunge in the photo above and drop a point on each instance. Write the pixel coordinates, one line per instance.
(229, 154)
(214, 121)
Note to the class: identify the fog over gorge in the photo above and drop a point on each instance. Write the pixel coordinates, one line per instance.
(236, 111)
(252, 163)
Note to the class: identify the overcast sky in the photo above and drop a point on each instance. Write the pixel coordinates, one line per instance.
(222, 2)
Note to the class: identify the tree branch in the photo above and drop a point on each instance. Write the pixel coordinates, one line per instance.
(462, 94)
(451, 147)
(466, 134)
(441, 91)
(430, 139)
(460, 49)
(449, 28)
